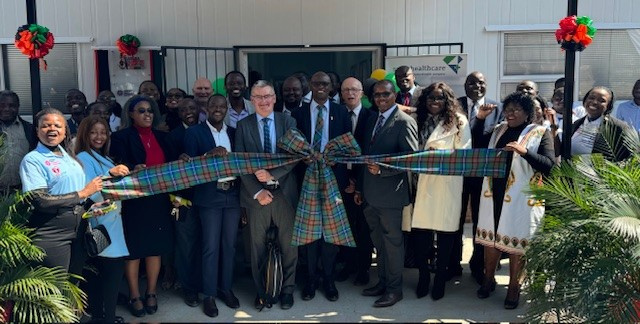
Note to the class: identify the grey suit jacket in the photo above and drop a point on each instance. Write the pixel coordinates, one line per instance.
(389, 189)
(248, 140)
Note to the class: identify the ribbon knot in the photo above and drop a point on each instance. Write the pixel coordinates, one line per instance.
(320, 212)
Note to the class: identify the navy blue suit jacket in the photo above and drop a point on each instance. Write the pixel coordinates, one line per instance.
(339, 123)
(198, 140)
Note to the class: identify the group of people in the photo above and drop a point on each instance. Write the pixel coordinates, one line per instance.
(390, 210)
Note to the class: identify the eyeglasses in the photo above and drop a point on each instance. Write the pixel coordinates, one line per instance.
(351, 90)
(512, 110)
(320, 83)
(142, 111)
(382, 94)
(106, 99)
(436, 99)
(265, 97)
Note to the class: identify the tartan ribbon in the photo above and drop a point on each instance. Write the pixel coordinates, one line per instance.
(320, 211)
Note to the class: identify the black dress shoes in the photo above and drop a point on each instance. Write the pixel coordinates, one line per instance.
(512, 303)
(388, 299)
(331, 292)
(286, 301)
(378, 290)
(260, 304)
(210, 308)
(229, 299)
(438, 287)
(135, 311)
(309, 291)
(191, 298)
(362, 278)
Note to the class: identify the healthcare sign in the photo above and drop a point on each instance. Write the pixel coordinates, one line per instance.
(448, 68)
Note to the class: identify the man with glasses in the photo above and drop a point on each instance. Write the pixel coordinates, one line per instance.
(270, 196)
(320, 121)
(358, 259)
(475, 88)
(386, 191)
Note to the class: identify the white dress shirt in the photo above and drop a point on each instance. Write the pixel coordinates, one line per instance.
(222, 139)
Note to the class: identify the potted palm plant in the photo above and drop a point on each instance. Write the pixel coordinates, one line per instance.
(30, 293)
(584, 263)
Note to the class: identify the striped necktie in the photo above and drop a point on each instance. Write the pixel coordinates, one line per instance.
(378, 127)
(317, 135)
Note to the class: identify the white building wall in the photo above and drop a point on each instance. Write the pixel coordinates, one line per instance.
(225, 23)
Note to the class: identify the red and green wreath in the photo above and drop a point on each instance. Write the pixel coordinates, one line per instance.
(575, 33)
(128, 44)
(34, 40)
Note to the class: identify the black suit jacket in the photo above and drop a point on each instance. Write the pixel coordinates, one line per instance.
(176, 140)
(127, 148)
(247, 139)
(339, 123)
(29, 133)
(390, 188)
(494, 118)
(198, 140)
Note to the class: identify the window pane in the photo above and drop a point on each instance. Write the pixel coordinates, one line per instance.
(60, 76)
(611, 61)
(532, 54)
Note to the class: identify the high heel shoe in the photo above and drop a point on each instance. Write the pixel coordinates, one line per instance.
(132, 308)
(512, 303)
(485, 290)
(150, 308)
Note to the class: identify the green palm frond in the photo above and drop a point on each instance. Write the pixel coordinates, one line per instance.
(16, 246)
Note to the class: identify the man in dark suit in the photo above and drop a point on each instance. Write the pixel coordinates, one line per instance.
(319, 121)
(291, 96)
(386, 191)
(187, 226)
(218, 207)
(358, 259)
(475, 88)
(409, 91)
(270, 196)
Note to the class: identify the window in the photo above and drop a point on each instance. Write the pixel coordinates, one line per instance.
(60, 76)
(612, 60)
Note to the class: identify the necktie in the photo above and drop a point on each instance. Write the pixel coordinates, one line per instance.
(473, 110)
(378, 127)
(317, 135)
(266, 131)
(354, 121)
(407, 99)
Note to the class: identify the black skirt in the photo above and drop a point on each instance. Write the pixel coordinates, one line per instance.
(148, 227)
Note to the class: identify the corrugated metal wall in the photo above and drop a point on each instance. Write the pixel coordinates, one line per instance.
(225, 23)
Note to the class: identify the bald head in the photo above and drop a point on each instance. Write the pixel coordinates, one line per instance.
(292, 92)
(320, 87)
(351, 92)
(202, 90)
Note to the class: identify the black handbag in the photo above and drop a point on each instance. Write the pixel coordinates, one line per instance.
(96, 239)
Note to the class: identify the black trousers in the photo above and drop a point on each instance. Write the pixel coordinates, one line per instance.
(103, 288)
(471, 191)
(422, 240)
(324, 252)
(357, 259)
(188, 249)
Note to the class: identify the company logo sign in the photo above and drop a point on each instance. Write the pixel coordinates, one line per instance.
(453, 61)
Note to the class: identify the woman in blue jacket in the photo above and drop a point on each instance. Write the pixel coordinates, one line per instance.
(92, 145)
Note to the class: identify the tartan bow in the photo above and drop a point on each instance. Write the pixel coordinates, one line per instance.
(320, 212)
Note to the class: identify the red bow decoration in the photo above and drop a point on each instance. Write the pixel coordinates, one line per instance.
(128, 44)
(34, 41)
(575, 33)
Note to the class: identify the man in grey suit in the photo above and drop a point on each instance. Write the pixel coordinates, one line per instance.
(386, 191)
(268, 195)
